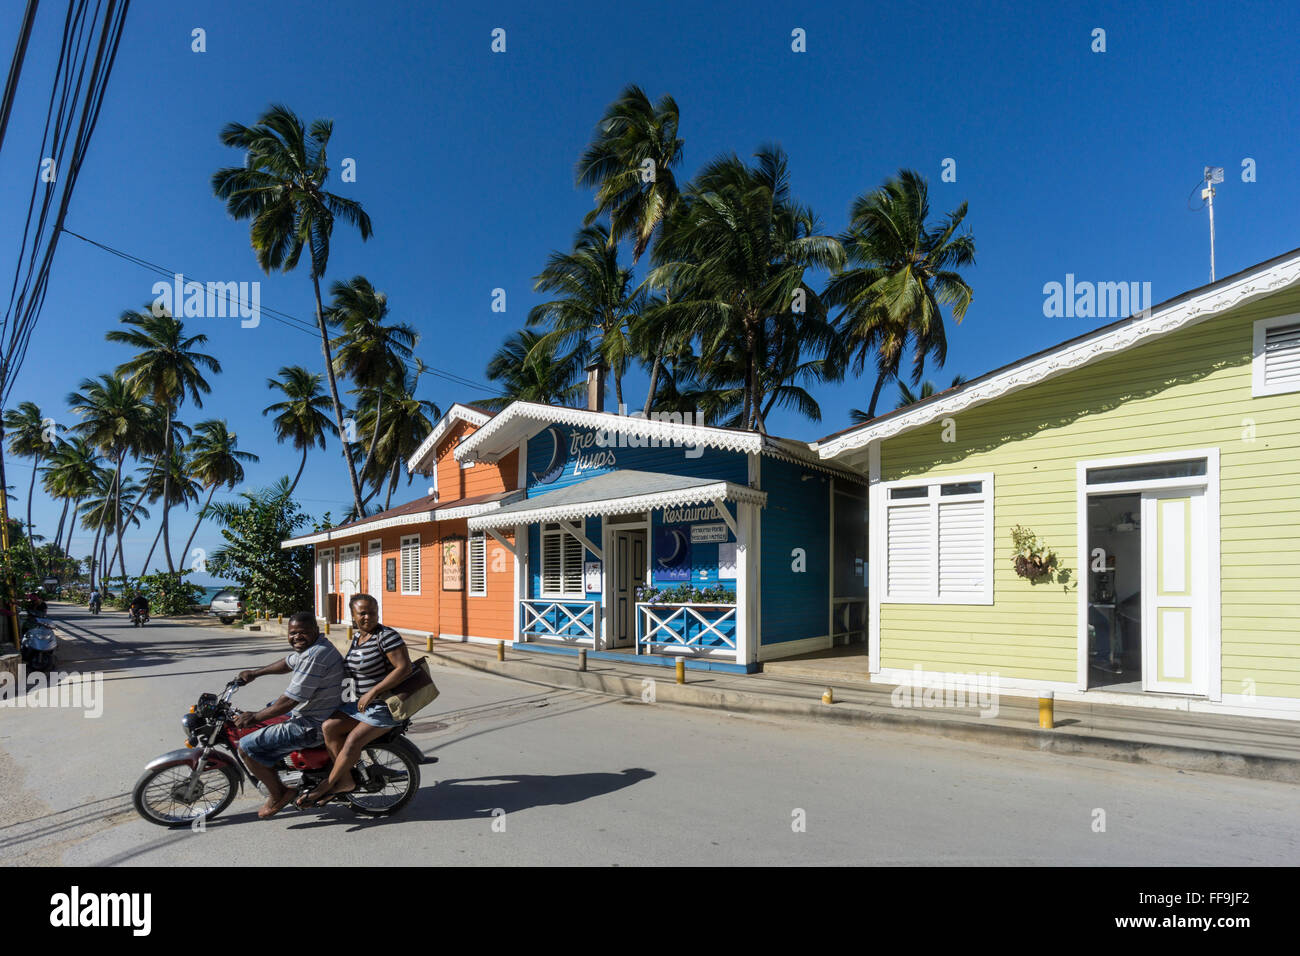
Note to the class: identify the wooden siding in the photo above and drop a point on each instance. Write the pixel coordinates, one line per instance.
(1188, 390)
(796, 604)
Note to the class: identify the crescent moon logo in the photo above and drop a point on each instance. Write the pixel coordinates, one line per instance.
(679, 545)
(556, 465)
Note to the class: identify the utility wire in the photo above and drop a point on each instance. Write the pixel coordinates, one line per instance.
(284, 318)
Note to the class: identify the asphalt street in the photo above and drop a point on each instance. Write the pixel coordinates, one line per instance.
(532, 775)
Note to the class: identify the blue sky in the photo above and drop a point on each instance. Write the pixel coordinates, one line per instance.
(1072, 162)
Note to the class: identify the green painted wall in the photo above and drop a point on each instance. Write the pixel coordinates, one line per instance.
(1190, 389)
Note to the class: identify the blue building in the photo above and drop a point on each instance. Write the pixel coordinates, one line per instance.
(663, 538)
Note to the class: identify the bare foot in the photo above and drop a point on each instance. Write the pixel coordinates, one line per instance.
(274, 805)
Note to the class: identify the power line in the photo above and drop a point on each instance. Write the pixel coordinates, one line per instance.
(284, 318)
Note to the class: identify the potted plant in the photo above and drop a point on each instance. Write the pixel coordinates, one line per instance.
(1032, 558)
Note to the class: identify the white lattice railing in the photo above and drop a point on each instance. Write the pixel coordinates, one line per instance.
(696, 627)
(557, 619)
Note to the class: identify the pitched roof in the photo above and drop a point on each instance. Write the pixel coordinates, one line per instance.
(420, 511)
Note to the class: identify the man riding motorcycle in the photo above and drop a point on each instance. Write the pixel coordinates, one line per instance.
(95, 601)
(313, 694)
(139, 608)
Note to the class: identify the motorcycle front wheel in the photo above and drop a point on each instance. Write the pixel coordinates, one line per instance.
(161, 795)
(390, 779)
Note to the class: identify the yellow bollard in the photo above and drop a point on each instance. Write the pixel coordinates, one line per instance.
(327, 625)
(279, 619)
(681, 670)
(428, 643)
(1046, 718)
(828, 697)
(501, 650)
(349, 632)
(582, 659)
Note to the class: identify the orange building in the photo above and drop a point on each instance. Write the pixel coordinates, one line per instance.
(428, 573)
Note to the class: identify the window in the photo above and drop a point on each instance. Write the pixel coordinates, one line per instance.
(562, 555)
(939, 542)
(1275, 362)
(411, 564)
(1154, 471)
(478, 565)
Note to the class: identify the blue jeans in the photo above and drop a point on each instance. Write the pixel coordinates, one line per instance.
(376, 715)
(266, 745)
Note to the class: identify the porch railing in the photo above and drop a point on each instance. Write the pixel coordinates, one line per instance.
(705, 629)
(556, 619)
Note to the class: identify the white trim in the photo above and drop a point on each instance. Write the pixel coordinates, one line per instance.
(450, 513)
(875, 494)
(470, 511)
(725, 514)
(1210, 482)
(521, 578)
(805, 645)
(492, 532)
(614, 506)
(469, 563)
(376, 592)
(934, 501)
(1217, 298)
(668, 433)
(457, 412)
(1259, 335)
(401, 564)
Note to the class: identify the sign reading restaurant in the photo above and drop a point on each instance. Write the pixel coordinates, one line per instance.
(684, 515)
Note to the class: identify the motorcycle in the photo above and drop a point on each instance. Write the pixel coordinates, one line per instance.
(35, 604)
(139, 617)
(199, 782)
(94, 605)
(40, 646)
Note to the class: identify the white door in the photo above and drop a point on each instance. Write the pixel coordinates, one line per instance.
(375, 574)
(1175, 593)
(324, 580)
(349, 578)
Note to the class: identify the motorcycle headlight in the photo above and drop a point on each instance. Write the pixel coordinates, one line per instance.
(193, 724)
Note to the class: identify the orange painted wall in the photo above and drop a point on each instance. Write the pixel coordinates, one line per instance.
(434, 610)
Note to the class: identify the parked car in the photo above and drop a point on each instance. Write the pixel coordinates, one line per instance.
(227, 605)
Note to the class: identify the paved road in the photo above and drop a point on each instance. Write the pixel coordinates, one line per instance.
(588, 779)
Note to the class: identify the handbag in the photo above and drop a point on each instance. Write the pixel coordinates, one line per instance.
(413, 694)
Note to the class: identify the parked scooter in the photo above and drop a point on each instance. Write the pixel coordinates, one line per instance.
(40, 646)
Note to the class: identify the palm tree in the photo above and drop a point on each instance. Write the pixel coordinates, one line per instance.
(301, 417)
(597, 302)
(69, 476)
(172, 485)
(630, 164)
(406, 424)
(907, 397)
(166, 369)
(216, 462)
(528, 372)
(734, 255)
(114, 420)
(281, 188)
(368, 352)
(26, 427)
(902, 271)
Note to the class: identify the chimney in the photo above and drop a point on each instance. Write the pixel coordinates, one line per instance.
(596, 386)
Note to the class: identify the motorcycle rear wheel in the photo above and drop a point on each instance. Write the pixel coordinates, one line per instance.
(158, 795)
(394, 774)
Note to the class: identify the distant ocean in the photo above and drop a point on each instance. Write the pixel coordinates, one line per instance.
(210, 592)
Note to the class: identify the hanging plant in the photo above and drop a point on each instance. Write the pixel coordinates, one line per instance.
(1032, 559)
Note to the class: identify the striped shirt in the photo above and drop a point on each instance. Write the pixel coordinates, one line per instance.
(367, 664)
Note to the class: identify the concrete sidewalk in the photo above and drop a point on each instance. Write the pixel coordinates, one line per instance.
(1240, 746)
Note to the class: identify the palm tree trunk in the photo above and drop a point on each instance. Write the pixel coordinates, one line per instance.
(134, 505)
(374, 434)
(93, 565)
(618, 390)
(31, 490)
(149, 556)
(295, 477)
(875, 394)
(392, 483)
(334, 387)
(654, 372)
(72, 527)
(117, 511)
(211, 492)
(58, 537)
(166, 492)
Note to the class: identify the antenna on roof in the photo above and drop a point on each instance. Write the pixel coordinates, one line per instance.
(1213, 174)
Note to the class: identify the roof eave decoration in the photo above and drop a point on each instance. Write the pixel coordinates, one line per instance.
(457, 412)
(698, 494)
